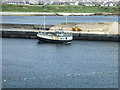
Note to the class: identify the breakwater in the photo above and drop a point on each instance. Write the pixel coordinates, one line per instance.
(76, 36)
(30, 31)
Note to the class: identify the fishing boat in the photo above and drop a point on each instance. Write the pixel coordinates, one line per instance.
(56, 36)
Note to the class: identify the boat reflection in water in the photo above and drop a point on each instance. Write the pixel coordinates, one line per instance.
(55, 36)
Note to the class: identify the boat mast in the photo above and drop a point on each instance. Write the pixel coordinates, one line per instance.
(66, 23)
(44, 22)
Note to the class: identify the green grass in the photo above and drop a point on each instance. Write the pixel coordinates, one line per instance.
(58, 8)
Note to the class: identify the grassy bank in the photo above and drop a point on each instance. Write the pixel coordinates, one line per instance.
(58, 8)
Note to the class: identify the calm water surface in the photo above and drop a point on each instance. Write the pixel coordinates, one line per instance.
(53, 20)
(83, 64)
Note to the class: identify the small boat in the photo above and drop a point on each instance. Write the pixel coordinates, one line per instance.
(55, 37)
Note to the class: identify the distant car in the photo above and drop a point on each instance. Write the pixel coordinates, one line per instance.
(76, 29)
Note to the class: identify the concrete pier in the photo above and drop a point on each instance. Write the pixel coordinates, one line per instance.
(30, 31)
(76, 36)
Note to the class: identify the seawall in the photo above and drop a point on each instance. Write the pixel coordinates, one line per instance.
(30, 31)
(76, 36)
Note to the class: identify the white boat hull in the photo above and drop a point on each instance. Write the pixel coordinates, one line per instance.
(51, 38)
(53, 41)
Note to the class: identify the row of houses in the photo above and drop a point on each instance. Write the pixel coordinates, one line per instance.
(60, 3)
(107, 4)
(84, 3)
(110, 3)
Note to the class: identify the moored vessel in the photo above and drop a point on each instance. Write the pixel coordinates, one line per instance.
(55, 36)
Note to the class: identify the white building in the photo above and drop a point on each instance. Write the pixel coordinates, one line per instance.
(107, 4)
(16, 1)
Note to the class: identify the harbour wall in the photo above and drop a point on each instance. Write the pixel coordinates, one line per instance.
(30, 31)
(76, 36)
(10, 27)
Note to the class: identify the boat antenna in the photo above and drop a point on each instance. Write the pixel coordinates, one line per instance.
(44, 22)
(66, 23)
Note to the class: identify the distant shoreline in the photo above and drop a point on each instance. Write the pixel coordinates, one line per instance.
(58, 10)
(55, 14)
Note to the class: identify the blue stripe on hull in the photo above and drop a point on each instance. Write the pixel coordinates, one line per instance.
(53, 41)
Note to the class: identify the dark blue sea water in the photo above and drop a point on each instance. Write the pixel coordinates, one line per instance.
(82, 64)
(53, 20)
